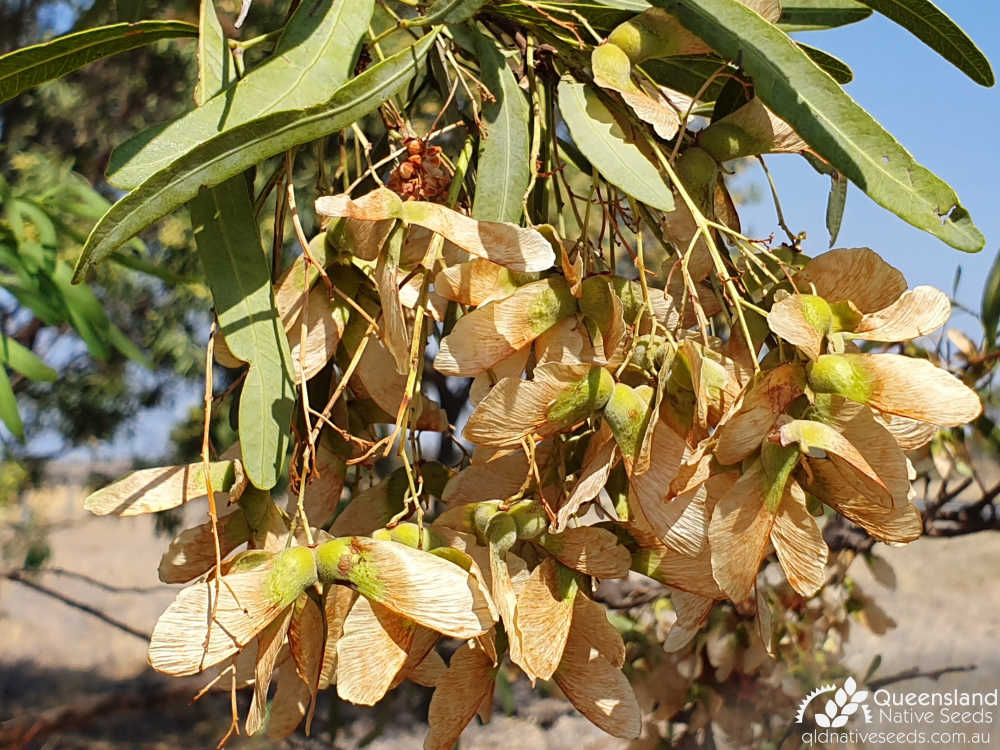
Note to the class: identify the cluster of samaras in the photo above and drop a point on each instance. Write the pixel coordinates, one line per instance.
(612, 434)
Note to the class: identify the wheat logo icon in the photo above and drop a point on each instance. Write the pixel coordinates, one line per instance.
(843, 705)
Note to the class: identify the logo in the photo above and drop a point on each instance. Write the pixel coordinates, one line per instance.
(843, 705)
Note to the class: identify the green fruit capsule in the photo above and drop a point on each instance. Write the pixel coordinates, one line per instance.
(501, 531)
(817, 312)
(627, 414)
(653, 34)
(333, 560)
(346, 559)
(411, 535)
(777, 463)
(698, 170)
(294, 571)
(726, 141)
(580, 400)
(596, 300)
(843, 375)
(530, 519)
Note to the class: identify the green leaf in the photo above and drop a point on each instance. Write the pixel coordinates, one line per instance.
(598, 135)
(216, 69)
(316, 52)
(837, 68)
(504, 149)
(229, 153)
(8, 407)
(452, 11)
(239, 275)
(934, 28)
(990, 310)
(19, 357)
(835, 204)
(814, 15)
(820, 111)
(27, 67)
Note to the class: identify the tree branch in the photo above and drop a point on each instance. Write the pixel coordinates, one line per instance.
(19, 577)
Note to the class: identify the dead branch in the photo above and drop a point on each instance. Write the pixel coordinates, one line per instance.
(18, 577)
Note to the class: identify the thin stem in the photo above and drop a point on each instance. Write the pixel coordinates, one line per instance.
(793, 238)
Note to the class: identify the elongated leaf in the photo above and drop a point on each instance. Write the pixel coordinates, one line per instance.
(239, 274)
(27, 67)
(837, 68)
(835, 204)
(231, 152)
(799, 92)
(216, 68)
(813, 15)
(19, 357)
(8, 407)
(504, 160)
(934, 28)
(602, 141)
(452, 11)
(315, 54)
(991, 302)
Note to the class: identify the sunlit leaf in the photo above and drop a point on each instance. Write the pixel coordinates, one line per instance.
(599, 136)
(229, 153)
(27, 67)
(934, 28)
(316, 51)
(833, 124)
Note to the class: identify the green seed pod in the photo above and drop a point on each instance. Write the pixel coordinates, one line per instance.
(596, 300)
(627, 413)
(294, 571)
(333, 560)
(453, 555)
(501, 531)
(777, 463)
(530, 519)
(846, 317)
(551, 304)
(248, 560)
(649, 353)
(581, 399)
(726, 141)
(482, 514)
(410, 535)
(816, 312)
(653, 34)
(698, 172)
(348, 559)
(841, 374)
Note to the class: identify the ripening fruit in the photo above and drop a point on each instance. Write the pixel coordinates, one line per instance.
(698, 170)
(627, 413)
(294, 571)
(581, 399)
(654, 34)
(843, 375)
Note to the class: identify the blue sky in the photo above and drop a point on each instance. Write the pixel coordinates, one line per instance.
(949, 123)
